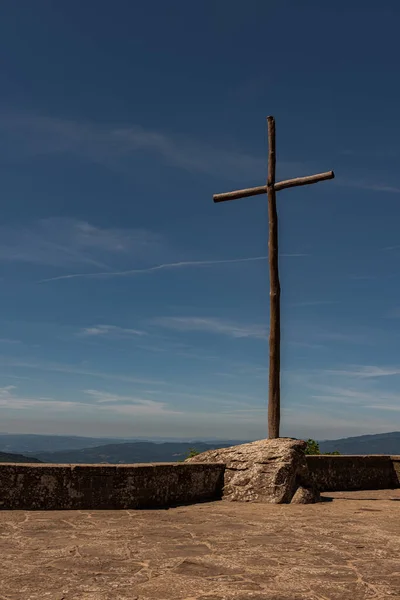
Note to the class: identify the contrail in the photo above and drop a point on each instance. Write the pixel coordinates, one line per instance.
(191, 263)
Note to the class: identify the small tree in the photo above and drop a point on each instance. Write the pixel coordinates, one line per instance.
(313, 448)
(192, 452)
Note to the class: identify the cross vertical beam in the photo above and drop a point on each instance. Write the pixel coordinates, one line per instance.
(275, 290)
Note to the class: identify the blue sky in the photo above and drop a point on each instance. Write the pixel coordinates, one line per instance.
(132, 305)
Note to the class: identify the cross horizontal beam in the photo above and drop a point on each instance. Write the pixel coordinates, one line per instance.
(281, 185)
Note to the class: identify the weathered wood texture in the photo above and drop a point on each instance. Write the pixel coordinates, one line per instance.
(281, 185)
(275, 292)
(255, 191)
(287, 183)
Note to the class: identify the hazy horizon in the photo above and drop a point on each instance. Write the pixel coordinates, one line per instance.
(174, 439)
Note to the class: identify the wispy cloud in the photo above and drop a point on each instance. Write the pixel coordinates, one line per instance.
(340, 393)
(293, 254)
(207, 395)
(10, 400)
(212, 325)
(129, 404)
(349, 390)
(366, 399)
(362, 277)
(310, 345)
(366, 185)
(6, 390)
(165, 266)
(391, 247)
(110, 331)
(337, 336)
(64, 242)
(6, 361)
(370, 153)
(355, 374)
(334, 412)
(312, 303)
(99, 401)
(366, 371)
(382, 188)
(349, 337)
(254, 371)
(388, 407)
(316, 335)
(117, 147)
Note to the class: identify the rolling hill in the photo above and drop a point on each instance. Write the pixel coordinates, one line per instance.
(24, 442)
(380, 443)
(140, 452)
(135, 452)
(6, 457)
(81, 450)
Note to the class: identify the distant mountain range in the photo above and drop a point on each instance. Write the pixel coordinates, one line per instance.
(24, 442)
(81, 450)
(6, 457)
(134, 452)
(379, 443)
(30, 442)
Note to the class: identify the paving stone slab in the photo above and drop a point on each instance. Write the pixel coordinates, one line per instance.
(344, 548)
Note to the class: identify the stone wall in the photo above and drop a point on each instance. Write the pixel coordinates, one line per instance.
(345, 473)
(60, 487)
(63, 487)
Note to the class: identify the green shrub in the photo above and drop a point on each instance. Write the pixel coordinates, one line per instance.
(192, 452)
(313, 448)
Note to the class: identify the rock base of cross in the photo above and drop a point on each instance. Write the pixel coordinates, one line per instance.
(266, 471)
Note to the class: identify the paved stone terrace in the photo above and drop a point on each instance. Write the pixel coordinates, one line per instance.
(346, 548)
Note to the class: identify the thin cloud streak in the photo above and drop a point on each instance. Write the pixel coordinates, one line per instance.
(212, 325)
(130, 405)
(365, 185)
(70, 243)
(313, 303)
(365, 372)
(109, 330)
(104, 401)
(389, 407)
(75, 370)
(9, 400)
(354, 372)
(165, 266)
(117, 147)
(391, 247)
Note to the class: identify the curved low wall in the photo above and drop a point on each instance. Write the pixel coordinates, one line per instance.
(344, 473)
(158, 485)
(60, 487)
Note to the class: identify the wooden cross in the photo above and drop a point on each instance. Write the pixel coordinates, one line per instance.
(275, 290)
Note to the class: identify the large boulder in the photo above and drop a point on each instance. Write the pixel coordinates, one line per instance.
(272, 471)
